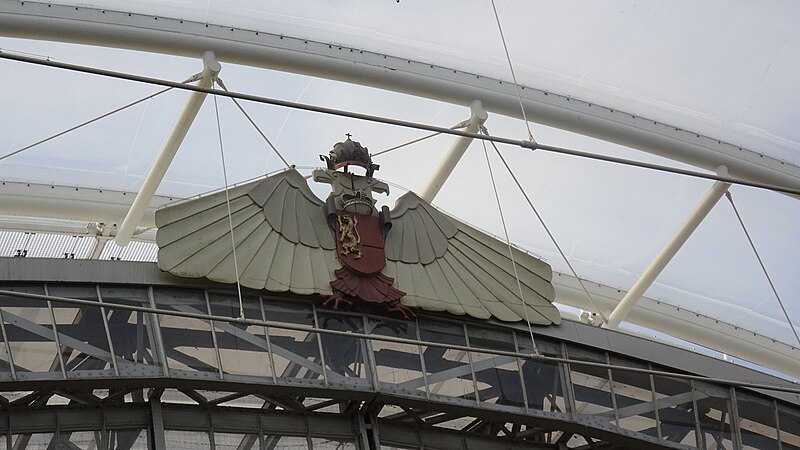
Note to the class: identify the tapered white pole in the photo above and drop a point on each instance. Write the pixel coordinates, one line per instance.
(211, 68)
(457, 150)
(660, 262)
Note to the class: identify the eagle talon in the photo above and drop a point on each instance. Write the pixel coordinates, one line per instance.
(398, 307)
(337, 299)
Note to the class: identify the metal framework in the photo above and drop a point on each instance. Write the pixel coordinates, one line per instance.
(103, 371)
(141, 418)
(110, 28)
(77, 376)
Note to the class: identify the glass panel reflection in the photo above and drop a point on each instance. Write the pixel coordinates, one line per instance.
(35, 440)
(242, 348)
(634, 397)
(80, 440)
(756, 421)
(5, 356)
(295, 353)
(344, 355)
(399, 365)
(132, 332)
(448, 371)
(497, 376)
(591, 385)
(676, 412)
(789, 424)
(544, 381)
(189, 440)
(30, 333)
(277, 442)
(236, 441)
(128, 439)
(714, 413)
(328, 444)
(187, 342)
(84, 344)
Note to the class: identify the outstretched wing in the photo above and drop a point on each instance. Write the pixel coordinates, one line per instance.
(279, 229)
(446, 265)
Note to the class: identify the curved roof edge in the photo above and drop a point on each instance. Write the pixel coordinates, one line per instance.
(41, 21)
(73, 203)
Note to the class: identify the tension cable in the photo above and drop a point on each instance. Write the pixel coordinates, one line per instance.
(510, 250)
(90, 121)
(546, 228)
(513, 75)
(228, 203)
(761, 263)
(457, 126)
(403, 123)
(222, 85)
(405, 145)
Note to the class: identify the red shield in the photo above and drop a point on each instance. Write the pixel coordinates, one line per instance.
(359, 242)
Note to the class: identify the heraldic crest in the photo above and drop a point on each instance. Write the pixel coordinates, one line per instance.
(348, 250)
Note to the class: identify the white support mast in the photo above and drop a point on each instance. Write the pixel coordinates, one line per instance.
(668, 252)
(457, 150)
(211, 68)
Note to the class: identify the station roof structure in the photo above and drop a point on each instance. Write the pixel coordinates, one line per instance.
(685, 85)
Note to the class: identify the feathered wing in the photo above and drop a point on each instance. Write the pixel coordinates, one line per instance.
(283, 242)
(446, 265)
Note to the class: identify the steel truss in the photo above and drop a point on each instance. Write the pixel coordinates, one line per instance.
(130, 418)
(164, 353)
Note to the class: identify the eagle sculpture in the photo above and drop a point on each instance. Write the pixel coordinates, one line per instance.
(346, 249)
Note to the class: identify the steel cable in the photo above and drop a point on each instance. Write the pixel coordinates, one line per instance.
(510, 249)
(528, 145)
(546, 228)
(729, 196)
(230, 217)
(252, 122)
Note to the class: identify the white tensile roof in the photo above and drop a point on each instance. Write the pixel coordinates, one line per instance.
(723, 71)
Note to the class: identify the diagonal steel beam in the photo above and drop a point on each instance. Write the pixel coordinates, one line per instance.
(473, 125)
(65, 340)
(262, 343)
(194, 395)
(456, 372)
(668, 252)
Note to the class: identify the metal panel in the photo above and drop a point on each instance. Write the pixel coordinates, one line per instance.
(44, 245)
